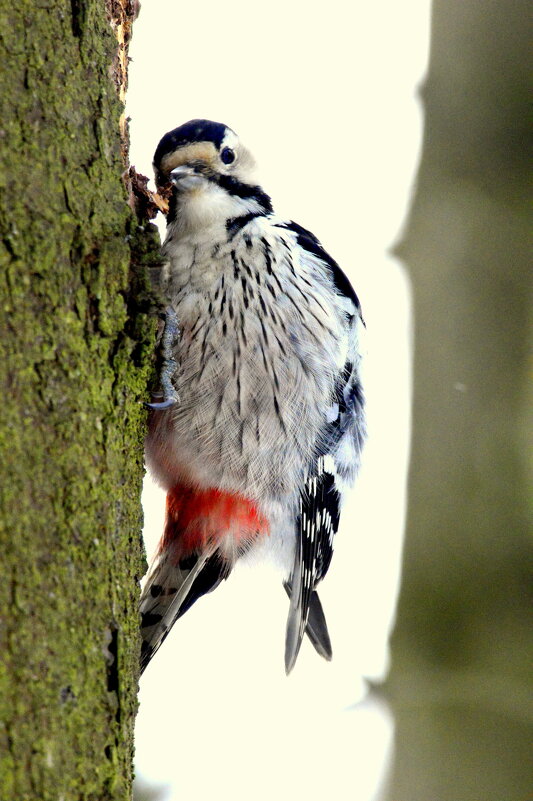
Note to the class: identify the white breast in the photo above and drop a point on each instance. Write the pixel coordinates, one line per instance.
(257, 354)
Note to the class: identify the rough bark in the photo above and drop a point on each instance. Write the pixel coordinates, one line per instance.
(74, 361)
(462, 645)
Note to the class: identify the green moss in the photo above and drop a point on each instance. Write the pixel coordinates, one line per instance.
(74, 363)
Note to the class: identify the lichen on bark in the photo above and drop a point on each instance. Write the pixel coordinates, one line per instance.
(75, 358)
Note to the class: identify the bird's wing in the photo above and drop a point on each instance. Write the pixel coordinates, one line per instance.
(312, 246)
(316, 525)
(331, 471)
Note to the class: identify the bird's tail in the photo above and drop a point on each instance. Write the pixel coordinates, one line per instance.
(171, 589)
(205, 532)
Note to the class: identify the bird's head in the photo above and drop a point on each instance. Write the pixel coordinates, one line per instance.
(210, 171)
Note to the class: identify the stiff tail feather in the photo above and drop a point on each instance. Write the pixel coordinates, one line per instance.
(172, 589)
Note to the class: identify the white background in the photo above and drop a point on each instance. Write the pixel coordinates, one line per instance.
(325, 97)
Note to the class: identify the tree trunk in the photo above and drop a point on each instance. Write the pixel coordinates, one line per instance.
(462, 646)
(74, 362)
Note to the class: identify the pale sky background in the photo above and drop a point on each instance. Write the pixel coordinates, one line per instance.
(324, 95)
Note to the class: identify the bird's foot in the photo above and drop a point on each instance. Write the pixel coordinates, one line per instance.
(168, 366)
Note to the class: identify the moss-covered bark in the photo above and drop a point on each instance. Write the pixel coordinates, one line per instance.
(74, 361)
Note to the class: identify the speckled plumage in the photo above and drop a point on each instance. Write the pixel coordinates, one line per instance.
(269, 403)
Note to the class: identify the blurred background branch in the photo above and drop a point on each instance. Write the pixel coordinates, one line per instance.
(462, 645)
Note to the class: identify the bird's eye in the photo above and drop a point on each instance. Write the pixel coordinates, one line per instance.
(227, 155)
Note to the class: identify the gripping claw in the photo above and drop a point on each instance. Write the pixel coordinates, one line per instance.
(166, 404)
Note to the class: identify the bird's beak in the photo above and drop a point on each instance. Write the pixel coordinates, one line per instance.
(184, 177)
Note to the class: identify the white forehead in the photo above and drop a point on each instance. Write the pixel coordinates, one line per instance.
(230, 140)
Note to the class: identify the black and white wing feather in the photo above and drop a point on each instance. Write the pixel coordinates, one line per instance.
(331, 471)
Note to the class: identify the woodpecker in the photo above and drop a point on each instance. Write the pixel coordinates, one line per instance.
(260, 431)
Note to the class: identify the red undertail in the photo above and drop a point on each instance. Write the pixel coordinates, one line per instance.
(196, 517)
